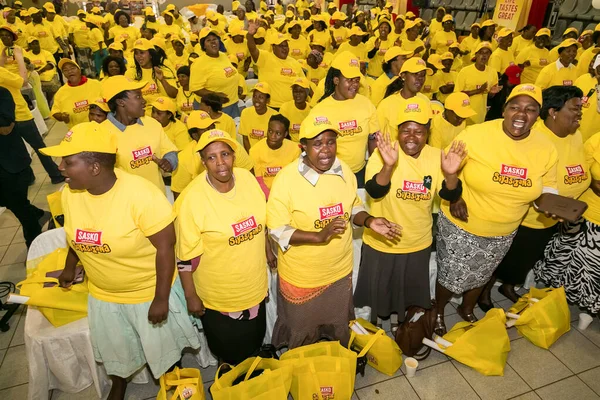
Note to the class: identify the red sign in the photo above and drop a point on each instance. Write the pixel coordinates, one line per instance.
(514, 172)
(88, 237)
(142, 153)
(244, 226)
(333, 211)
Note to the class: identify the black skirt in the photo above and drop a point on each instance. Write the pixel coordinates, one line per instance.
(527, 248)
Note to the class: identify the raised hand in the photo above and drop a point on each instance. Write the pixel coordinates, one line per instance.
(252, 27)
(451, 161)
(159, 73)
(387, 149)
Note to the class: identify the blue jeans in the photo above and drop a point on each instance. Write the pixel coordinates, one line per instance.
(233, 110)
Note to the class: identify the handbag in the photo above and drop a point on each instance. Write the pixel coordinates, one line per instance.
(322, 371)
(186, 384)
(272, 382)
(382, 351)
(55, 205)
(542, 316)
(418, 324)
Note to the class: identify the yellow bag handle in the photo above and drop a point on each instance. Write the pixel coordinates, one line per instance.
(370, 343)
(255, 363)
(338, 368)
(32, 280)
(217, 383)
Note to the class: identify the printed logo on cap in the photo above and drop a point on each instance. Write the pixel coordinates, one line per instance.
(321, 121)
(466, 103)
(68, 136)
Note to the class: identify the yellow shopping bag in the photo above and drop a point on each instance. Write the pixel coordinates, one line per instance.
(55, 205)
(382, 351)
(273, 383)
(322, 371)
(543, 316)
(60, 306)
(186, 384)
(482, 345)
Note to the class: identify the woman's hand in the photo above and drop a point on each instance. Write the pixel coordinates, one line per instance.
(66, 278)
(252, 28)
(163, 164)
(385, 228)
(451, 161)
(495, 89)
(195, 306)
(160, 75)
(337, 226)
(63, 117)
(159, 310)
(458, 209)
(387, 149)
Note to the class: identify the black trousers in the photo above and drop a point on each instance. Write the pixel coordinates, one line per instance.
(13, 195)
(28, 131)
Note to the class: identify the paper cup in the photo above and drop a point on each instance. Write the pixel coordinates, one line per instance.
(584, 321)
(411, 366)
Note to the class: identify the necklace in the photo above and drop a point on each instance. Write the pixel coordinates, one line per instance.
(216, 190)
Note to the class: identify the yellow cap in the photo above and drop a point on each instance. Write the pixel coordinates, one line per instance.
(18, 3)
(302, 82)
(568, 43)
(526, 89)
(13, 31)
(86, 136)
(119, 83)
(157, 41)
(143, 44)
(410, 14)
(262, 87)
(570, 30)
(488, 22)
(355, 30)
(331, 5)
(94, 19)
(597, 28)
(148, 11)
(415, 65)
(237, 31)
(80, 12)
(33, 10)
(215, 135)
(319, 41)
(102, 104)
(475, 24)
(543, 31)
(30, 39)
(49, 7)
(454, 45)
(24, 13)
(415, 109)
(312, 126)
(210, 14)
(587, 32)
(64, 61)
(293, 24)
(171, 7)
(116, 46)
(269, 13)
(177, 39)
(193, 37)
(205, 31)
(460, 103)
(348, 64)
(199, 119)
(338, 15)
(394, 52)
(410, 24)
(289, 14)
(234, 5)
(169, 13)
(95, 10)
(165, 104)
(447, 17)
(447, 56)
(504, 32)
(280, 38)
(384, 21)
(436, 61)
(260, 33)
(483, 45)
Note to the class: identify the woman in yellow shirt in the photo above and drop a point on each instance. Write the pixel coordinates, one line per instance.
(445, 37)
(212, 105)
(378, 47)
(413, 42)
(590, 120)
(45, 65)
(320, 33)
(178, 57)
(469, 44)
(559, 122)
(353, 114)
(446, 125)
(122, 31)
(164, 111)
(72, 101)
(254, 122)
(299, 47)
(503, 56)
(317, 62)
(296, 110)
(98, 111)
(404, 175)
(311, 204)
(221, 225)
(150, 68)
(535, 57)
(562, 72)
(355, 43)
(524, 40)
(128, 256)
(185, 97)
(510, 166)
(392, 63)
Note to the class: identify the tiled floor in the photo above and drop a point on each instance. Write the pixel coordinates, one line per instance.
(569, 370)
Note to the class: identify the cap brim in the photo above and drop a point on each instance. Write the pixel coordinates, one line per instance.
(412, 118)
(232, 143)
(465, 112)
(58, 151)
(64, 61)
(319, 131)
(133, 85)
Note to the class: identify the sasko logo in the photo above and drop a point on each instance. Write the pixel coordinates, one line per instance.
(88, 237)
(258, 133)
(575, 170)
(295, 127)
(144, 152)
(332, 211)
(273, 170)
(414, 187)
(244, 226)
(568, 83)
(82, 103)
(513, 172)
(348, 125)
(327, 392)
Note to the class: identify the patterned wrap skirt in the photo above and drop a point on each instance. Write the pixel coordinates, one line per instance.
(466, 261)
(572, 260)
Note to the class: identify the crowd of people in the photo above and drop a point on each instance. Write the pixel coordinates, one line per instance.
(267, 125)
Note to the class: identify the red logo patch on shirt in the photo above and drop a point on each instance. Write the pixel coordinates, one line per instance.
(81, 103)
(574, 170)
(229, 71)
(244, 226)
(295, 127)
(287, 72)
(347, 125)
(81, 106)
(513, 172)
(150, 88)
(272, 171)
(296, 52)
(37, 61)
(543, 61)
(568, 83)
(144, 152)
(42, 34)
(329, 212)
(88, 237)
(240, 55)
(449, 42)
(414, 187)
(258, 133)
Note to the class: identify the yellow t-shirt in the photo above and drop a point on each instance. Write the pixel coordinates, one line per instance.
(154, 88)
(96, 39)
(172, 30)
(40, 61)
(572, 173)
(129, 34)
(469, 44)
(316, 74)
(501, 59)
(355, 120)
(255, 126)
(110, 234)
(45, 35)
(323, 36)
(185, 101)
(190, 165)
(227, 124)
(590, 120)
(14, 82)
(360, 51)
(442, 40)
(378, 88)
(501, 177)
(434, 27)
(295, 202)
(470, 78)
(179, 61)
(295, 116)
(443, 132)
(76, 100)
(592, 154)
(81, 33)
(228, 231)
(60, 27)
(520, 44)
(299, 48)
(268, 162)
(539, 59)
(235, 23)
(215, 74)
(110, 18)
(584, 61)
(137, 144)
(550, 75)
(409, 203)
(430, 87)
(374, 69)
(178, 134)
(442, 78)
(340, 34)
(388, 109)
(280, 75)
(408, 45)
(240, 50)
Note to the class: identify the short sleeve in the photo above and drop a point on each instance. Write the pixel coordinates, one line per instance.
(188, 227)
(279, 204)
(263, 59)
(244, 120)
(242, 159)
(460, 83)
(166, 146)
(197, 77)
(592, 155)
(152, 212)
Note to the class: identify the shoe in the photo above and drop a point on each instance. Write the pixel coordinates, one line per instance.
(467, 317)
(509, 294)
(45, 218)
(440, 326)
(485, 306)
(57, 179)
